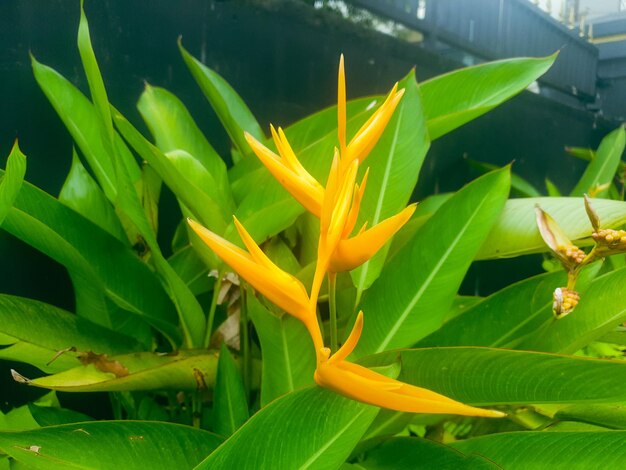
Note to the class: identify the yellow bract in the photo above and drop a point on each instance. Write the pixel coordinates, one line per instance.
(337, 206)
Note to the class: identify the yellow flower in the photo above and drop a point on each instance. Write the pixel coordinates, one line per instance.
(364, 385)
(289, 171)
(256, 268)
(369, 133)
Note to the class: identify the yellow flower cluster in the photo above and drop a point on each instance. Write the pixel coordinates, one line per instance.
(337, 206)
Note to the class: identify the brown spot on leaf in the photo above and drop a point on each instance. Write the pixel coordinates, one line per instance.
(103, 363)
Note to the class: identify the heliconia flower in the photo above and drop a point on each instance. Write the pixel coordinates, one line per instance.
(362, 384)
(278, 286)
(289, 171)
(369, 133)
(569, 254)
(351, 253)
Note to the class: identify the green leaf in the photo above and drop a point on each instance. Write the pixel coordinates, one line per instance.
(110, 445)
(53, 416)
(415, 453)
(91, 253)
(583, 153)
(418, 285)
(230, 407)
(311, 428)
(518, 184)
(503, 316)
(176, 172)
(188, 370)
(602, 168)
(455, 98)
(173, 128)
(394, 165)
(515, 231)
(288, 352)
(553, 190)
(81, 193)
(528, 450)
(35, 332)
(483, 376)
(612, 416)
(12, 180)
(227, 104)
(600, 310)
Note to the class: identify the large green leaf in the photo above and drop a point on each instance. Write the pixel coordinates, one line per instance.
(288, 352)
(81, 193)
(603, 166)
(173, 128)
(515, 231)
(12, 180)
(227, 104)
(417, 287)
(455, 98)
(91, 253)
(34, 332)
(311, 428)
(505, 317)
(554, 450)
(611, 416)
(230, 407)
(193, 196)
(189, 370)
(483, 376)
(600, 310)
(415, 454)
(110, 445)
(394, 165)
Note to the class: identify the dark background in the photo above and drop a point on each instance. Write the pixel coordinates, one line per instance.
(281, 56)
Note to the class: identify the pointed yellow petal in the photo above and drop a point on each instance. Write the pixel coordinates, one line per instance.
(308, 194)
(353, 252)
(361, 384)
(356, 206)
(255, 252)
(346, 349)
(341, 208)
(341, 106)
(364, 140)
(279, 287)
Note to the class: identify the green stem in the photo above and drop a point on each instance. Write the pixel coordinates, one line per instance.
(196, 409)
(244, 339)
(209, 325)
(332, 303)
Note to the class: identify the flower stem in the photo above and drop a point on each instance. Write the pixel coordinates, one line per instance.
(332, 303)
(209, 324)
(244, 340)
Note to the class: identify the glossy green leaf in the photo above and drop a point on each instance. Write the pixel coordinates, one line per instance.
(110, 445)
(151, 185)
(188, 370)
(394, 165)
(173, 128)
(600, 310)
(484, 376)
(288, 353)
(205, 209)
(191, 270)
(562, 450)
(12, 180)
(455, 98)
(91, 253)
(227, 104)
(418, 285)
(415, 453)
(81, 193)
(518, 184)
(602, 168)
(552, 189)
(36, 331)
(309, 429)
(230, 407)
(18, 419)
(503, 316)
(515, 231)
(54, 416)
